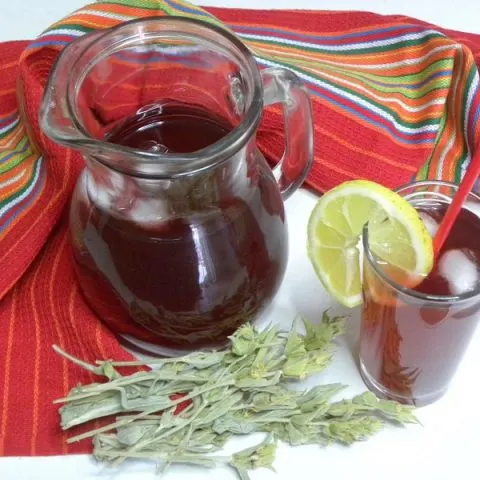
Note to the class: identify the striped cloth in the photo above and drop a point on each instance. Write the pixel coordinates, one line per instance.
(393, 99)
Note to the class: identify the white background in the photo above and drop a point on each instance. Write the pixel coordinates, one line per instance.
(447, 446)
(26, 18)
(21, 19)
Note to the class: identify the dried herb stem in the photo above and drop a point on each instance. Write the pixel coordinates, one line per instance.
(241, 390)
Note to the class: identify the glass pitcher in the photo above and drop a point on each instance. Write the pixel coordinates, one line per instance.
(177, 222)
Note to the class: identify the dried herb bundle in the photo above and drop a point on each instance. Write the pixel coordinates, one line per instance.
(242, 390)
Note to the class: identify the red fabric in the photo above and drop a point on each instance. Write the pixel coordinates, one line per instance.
(333, 130)
(39, 301)
(336, 21)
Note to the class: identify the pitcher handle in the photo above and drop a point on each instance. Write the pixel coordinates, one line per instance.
(283, 86)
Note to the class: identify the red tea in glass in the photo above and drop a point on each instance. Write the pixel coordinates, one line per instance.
(412, 340)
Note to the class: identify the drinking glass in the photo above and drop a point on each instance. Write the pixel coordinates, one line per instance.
(411, 343)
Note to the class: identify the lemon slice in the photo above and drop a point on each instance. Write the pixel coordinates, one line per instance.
(396, 231)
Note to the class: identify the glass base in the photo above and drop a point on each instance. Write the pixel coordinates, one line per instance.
(380, 391)
(155, 351)
(144, 349)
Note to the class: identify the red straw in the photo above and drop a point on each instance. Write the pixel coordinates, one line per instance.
(464, 189)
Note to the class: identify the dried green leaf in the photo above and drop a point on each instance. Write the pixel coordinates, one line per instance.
(259, 456)
(352, 430)
(312, 398)
(233, 424)
(320, 336)
(248, 382)
(218, 409)
(296, 367)
(243, 341)
(242, 390)
(295, 346)
(318, 360)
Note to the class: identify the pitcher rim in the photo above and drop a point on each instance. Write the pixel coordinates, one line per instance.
(204, 158)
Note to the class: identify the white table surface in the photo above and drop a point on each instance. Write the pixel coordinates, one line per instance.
(446, 446)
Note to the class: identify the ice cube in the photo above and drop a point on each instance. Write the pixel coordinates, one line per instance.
(148, 212)
(459, 268)
(430, 223)
(473, 206)
(107, 189)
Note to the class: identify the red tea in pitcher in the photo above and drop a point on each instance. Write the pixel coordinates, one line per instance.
(214, 262)
(169, 127)
(411, 345)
